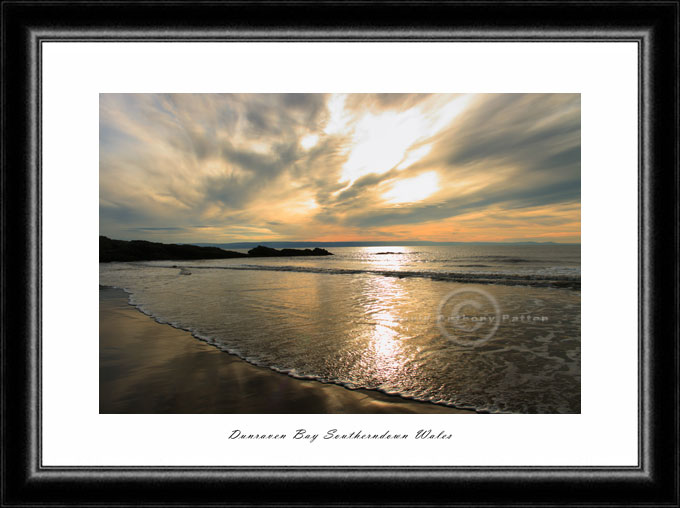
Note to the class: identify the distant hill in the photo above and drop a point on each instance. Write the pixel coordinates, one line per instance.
(140, 250)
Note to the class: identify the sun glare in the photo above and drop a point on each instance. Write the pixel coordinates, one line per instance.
(413, 189)
(380, 142)
(384, 141)
(414, 156)
(309, 141)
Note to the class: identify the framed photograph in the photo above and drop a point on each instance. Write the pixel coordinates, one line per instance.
(393, 253)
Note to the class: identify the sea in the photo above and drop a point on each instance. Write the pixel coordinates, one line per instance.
(495, 328)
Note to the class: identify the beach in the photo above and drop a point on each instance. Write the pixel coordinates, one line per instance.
(148, 367)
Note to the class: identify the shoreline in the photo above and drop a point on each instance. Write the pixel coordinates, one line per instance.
(148, 367)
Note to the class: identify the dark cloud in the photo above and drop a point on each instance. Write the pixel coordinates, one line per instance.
(121, 214)
(281, 114)
(515, 128)
(262, 165)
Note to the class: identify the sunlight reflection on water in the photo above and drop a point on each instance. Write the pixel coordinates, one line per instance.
(371, 331)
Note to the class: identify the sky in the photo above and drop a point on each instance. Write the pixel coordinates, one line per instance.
(221, 168)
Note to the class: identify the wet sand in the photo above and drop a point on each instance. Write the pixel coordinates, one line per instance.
(147, 367)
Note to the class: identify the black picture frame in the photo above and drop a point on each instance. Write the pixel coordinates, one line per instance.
(653, 25)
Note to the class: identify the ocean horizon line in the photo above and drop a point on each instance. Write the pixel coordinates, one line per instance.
(405, 243)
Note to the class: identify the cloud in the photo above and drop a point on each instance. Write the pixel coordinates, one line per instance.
(515, 150)
(312, 166)
(380, 102)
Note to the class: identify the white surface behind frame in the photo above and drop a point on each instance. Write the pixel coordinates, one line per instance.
(604, 73)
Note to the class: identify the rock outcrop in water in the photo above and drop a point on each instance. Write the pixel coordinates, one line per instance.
(140, 250)
(261, 251)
